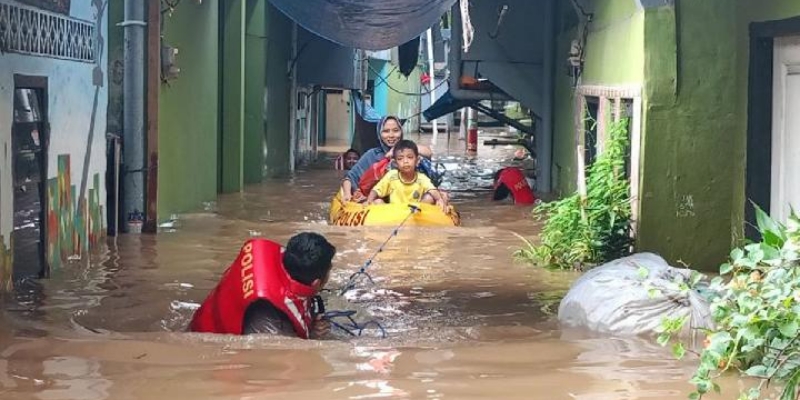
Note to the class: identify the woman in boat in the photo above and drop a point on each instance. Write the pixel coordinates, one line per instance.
(389, 133)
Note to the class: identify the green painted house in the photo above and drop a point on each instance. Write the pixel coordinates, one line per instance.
(712, 88)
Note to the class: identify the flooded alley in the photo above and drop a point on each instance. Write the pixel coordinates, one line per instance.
(462, 319)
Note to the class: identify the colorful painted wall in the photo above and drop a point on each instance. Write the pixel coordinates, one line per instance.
(74, 225)
(76, 103)
(189, 111)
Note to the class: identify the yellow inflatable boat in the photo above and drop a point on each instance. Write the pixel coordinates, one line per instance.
(356, 214)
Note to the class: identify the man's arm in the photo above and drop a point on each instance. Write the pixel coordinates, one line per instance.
(263, 317)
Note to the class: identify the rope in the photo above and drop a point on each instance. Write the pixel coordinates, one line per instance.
(351, 282)
(351, 327)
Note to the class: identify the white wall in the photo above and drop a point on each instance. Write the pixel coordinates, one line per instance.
(337, 119)
(69, 106)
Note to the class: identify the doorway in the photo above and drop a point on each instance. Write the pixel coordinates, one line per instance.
(29, 140)
(785, 182)
(773, 129)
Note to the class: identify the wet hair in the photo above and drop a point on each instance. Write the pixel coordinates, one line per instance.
(308, 257)
(406, 145)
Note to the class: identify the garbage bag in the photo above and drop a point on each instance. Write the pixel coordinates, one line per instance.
(632, 296)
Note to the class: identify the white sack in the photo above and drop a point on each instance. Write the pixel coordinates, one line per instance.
(617, 298)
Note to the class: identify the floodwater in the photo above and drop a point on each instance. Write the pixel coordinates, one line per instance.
(463, 320)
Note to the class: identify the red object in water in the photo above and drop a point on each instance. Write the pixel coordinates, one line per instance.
(257, 274)
(472, 140)
(512, 181)
(373, 174)
(425, 78)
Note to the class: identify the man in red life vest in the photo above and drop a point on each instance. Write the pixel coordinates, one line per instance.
(269, 289)
(511, 181)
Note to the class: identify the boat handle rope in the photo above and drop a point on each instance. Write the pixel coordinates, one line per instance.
(351, 327)
(351, 282)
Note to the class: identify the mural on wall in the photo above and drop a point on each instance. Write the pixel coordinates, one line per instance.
(59, 6)
(71, 228)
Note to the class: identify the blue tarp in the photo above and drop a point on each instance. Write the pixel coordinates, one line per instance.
(365, 24)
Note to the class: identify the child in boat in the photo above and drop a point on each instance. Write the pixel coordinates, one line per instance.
(347, 160)
(405, 184)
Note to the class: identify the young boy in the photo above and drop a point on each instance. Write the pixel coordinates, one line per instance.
(405, 185)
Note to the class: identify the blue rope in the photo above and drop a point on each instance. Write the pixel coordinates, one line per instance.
(351, 326)
(351, 282)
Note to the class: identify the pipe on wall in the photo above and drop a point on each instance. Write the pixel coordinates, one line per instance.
(133, 142)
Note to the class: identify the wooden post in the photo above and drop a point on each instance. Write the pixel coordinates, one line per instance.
(151, 103)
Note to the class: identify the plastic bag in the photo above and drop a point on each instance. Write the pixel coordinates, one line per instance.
(632, 296)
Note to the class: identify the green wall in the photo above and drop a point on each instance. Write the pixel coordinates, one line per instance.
(188, 122)
(614, 45)
(614, 56)
(564, 160)
(279, 50)
(255, 82)
(233, 77)
(689, 132)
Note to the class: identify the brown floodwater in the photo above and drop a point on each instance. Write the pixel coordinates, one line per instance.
(463, 320)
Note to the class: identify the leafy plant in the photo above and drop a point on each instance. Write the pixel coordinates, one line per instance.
(757, 314)
(588, 230)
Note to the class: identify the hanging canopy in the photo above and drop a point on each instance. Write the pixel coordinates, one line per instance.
(365, 24)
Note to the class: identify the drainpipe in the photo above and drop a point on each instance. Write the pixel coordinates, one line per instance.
(133, 113)
(432, 83)
(544, 137)
(293, 101)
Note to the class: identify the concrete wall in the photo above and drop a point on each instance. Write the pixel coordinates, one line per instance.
(76, 106)
(279, 53)
(684, 60)
(689, 132)
(255, 83)
(614, 57)
(388, 100)
(188, 111)
(337, 119)
(614, 47)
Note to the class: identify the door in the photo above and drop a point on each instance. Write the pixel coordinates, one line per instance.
(28, 142)
(785, 179)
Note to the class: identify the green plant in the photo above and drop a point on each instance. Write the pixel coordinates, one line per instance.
(757, 314)
(588, 230)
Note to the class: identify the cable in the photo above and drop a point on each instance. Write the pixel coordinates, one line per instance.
(423, 93)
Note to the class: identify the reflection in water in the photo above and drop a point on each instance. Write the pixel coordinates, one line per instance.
(464, 320)
(73, 378)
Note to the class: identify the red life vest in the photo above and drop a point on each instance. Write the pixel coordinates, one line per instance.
(257, 274)
(372, 175)
(512, 181)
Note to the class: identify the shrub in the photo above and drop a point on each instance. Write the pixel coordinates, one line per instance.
(586, 231)
(755, 304)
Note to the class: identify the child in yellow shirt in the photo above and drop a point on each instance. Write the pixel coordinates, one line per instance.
(405, 185)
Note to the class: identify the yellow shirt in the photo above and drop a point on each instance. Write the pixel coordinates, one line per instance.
(402, 192)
